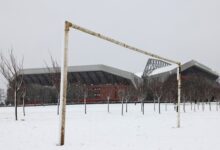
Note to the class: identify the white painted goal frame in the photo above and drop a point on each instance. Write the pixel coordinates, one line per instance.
(63, 84)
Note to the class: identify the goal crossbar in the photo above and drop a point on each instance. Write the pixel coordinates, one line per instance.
(101, 36)
(63, 84)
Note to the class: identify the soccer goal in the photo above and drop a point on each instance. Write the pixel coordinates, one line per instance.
(63, 85)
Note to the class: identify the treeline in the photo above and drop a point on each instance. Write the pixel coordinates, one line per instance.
(196, 88)
(39, 95)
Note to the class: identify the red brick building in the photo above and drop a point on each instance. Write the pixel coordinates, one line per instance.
(100, 82)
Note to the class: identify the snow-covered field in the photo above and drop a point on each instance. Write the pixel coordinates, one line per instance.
(99, 130)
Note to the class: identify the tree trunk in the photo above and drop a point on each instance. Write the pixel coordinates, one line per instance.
(216, 105)
(203, 105)
(154, 105)
(194, 106)
(58, 104)
(122, 106)
(126, 108)
(143, 107)
(176, 107)
(191, 104)
(108, 104)
(184, 105)
(190, 98)
(15, 103)
(23, 106)
(158, 105)
(85, 105)
(219, 104)
(210, 107)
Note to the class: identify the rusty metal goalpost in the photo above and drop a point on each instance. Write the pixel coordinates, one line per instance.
(63, 84)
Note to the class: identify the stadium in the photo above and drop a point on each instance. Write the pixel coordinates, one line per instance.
(97, 83)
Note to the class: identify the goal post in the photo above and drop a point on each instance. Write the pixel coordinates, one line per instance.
(63, 85)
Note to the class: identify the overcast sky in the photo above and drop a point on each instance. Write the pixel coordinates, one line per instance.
(177, 29)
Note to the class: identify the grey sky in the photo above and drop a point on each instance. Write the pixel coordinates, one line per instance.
(180, 30)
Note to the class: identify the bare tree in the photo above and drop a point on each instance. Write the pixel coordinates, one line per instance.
(141, 95)
(170, 90)
(23, 92)
(129, 93)
(85, 94)
(77, 89)
(205, 90)
(157, 89)
(54, 76)
(188, 89)
(121, 94)
(216, 92)
(11, 70)
(217, 95)
(109, 93)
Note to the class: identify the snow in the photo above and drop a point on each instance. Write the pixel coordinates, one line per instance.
(158, 71)
(163, 69)
(139, 74)
(99, 130)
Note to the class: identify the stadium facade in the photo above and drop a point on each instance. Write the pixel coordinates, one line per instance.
(95, 83)
(188, 68)
(100, 81)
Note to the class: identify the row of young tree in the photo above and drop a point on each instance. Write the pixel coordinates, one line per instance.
(196, 88)
(19, 91)
(12, 70)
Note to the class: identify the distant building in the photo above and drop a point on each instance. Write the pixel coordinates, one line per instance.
(190, 67)
(198, 82)
(100, 81)
(97, 82)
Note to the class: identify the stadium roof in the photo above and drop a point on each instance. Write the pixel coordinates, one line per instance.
(88, 74)
(172, 69)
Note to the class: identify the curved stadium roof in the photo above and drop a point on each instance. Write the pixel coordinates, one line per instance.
(166, 71)
(88, 74)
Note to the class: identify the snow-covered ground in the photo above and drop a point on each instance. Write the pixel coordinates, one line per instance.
(99, 130)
